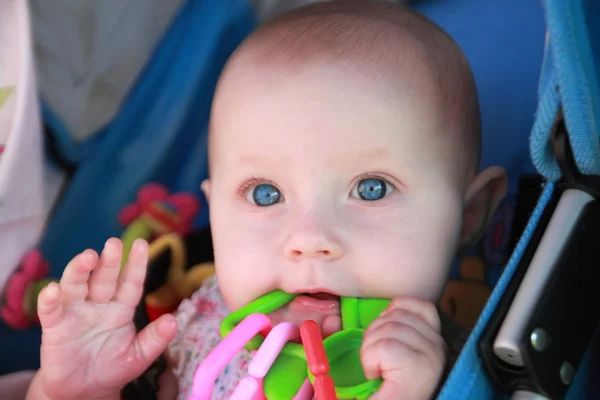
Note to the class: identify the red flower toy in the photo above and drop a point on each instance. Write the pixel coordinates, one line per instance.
(155, 213)
(19, 308)
(165, 213)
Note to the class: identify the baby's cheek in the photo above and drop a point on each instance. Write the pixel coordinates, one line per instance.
(243, 262)
(239, 287)
(232, 292)
(410, 260)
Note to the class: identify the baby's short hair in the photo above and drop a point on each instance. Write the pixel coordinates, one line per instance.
(376, 36)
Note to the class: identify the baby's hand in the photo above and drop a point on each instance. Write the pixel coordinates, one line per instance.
(90, 348)
(404, 347)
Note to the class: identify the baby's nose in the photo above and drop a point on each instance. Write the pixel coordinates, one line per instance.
(312, 246)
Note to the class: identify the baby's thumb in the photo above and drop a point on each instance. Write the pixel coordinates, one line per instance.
(154, 339)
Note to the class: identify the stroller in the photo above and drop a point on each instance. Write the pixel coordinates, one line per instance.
(536, 336)
(533, 339)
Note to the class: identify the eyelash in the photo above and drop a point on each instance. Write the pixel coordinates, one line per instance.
(371, 175)
(253, 182)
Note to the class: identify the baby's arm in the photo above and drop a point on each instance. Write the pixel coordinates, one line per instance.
(90, 347)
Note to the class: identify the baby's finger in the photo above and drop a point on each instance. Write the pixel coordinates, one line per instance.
(381, 326)
(422, 308)
(74, 281)
(49, 306)
(103, 282)
(403, 369)
(385, 354)
(131, 281)
(151, 342)
(391, 332)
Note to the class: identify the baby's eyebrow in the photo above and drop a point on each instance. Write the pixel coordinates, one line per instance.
(257, 159)
(338, 158)
(354, 156)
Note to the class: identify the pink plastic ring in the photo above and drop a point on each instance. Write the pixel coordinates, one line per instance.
(212, 366)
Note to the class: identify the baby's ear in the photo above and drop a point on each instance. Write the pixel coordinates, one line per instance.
(484, 194)
(205, 186)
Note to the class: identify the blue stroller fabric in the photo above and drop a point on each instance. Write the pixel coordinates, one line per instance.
(569, 80)
(159, 135)
(504, 42)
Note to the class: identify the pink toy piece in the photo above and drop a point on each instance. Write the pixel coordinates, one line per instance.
(271, 347)
(33, 268)
(306, 391)
(264, 358)
(246, 389)
(249, 388)
(210, 368)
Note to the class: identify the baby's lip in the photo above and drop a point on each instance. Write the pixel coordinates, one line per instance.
(317, 292)
(320, 303)
(322, 308)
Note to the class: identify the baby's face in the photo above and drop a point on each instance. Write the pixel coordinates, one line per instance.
(325, 182)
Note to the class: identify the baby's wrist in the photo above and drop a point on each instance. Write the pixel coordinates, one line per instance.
(38, 391)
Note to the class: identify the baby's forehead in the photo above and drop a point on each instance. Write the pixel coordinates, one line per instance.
(366, 40)
(373, 38)
(363, 43)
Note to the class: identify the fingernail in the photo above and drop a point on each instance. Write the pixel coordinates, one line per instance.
(52, 290)
(167, 326)
(139, 244)
(89, 255)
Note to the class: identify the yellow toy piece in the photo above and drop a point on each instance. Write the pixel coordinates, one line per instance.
(181, 281)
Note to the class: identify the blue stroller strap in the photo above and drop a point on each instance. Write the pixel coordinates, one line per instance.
(468, 379)
(569, 79)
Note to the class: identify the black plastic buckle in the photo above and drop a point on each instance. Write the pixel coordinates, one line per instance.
(564, 156)
(565, 318)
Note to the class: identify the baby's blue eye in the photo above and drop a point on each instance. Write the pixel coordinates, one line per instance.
(266, 195)
(372, 189)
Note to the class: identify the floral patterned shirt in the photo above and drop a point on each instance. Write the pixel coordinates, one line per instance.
(199, 320)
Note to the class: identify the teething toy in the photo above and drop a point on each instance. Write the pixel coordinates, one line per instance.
(335, 371)
(317, 360)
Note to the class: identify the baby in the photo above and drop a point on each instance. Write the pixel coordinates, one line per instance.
(344, 151)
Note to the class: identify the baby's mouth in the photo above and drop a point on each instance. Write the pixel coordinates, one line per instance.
(323, 296)
(321, 302)
(321, 307)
